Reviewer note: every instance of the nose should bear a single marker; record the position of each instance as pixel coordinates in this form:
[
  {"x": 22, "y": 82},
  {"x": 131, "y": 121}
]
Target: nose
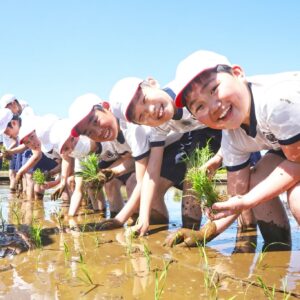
[
  {"x": 214, "y": 108},
  {"x": 151, "y": 109}
]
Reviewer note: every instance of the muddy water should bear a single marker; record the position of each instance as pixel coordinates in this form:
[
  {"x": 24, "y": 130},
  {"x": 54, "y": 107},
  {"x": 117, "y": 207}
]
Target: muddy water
[{"x": 78, "y": 262}]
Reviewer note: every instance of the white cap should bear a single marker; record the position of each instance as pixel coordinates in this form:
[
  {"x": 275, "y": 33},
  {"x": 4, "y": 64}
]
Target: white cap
[
  {"x": 60, "y": 132},
  {"x": 42, "y": 126},
  {"x": 82, "y": 106},
  {"x": 192, "y": 66},
  {"x": 28, "y": 126},
  {"x": 121, "y": 96},
  {"x": 6, "y": 99},
  {"x": 5, "y": 117}
]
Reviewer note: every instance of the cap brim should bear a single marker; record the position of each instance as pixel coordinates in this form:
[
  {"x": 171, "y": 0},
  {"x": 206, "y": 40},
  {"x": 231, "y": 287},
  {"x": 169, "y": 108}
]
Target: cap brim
[{"x": 130, "y": 102}]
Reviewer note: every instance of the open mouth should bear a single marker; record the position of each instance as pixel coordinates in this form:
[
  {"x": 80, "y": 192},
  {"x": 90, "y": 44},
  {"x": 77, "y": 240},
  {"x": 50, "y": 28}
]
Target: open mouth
[
  {"x": 105, "y": 134},
  {"x": 225, "y": 113},
  {"x": 160, "y": 112}
]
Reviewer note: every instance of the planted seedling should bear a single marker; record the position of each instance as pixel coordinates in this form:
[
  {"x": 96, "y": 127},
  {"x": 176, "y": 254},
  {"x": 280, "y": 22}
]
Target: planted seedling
[
  {"x": 160, "y": 281},
  {"x": 202, "y": 186},
  {"x": 35, "y": 233},
  {"x": 38, "y": 176}
]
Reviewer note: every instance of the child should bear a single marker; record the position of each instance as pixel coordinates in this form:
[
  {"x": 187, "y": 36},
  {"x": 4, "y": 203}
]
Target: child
[
  {"x": 144, "y": 103},
  {"x": 138, "y": 140},
  {"x": 34, "y": 134},
  {"x": 78, "y": 148},
  {"x": 257, "y": 114},
  {"x": 91, "y": 116},
  {"x": 21, "y": 109}
]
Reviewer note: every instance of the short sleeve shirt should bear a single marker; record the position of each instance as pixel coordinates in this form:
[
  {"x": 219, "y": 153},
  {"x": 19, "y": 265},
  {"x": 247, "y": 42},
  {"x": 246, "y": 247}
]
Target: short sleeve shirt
[{"x": 274, "y": 119}]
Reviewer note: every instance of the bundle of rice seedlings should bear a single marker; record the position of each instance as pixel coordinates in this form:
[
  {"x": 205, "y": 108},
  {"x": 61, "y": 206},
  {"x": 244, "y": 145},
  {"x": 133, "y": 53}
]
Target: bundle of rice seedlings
[
  {"x": 38, "y": 176},
  {"x": 202, "y": 187},
  {"x": 90, "y": 170}
]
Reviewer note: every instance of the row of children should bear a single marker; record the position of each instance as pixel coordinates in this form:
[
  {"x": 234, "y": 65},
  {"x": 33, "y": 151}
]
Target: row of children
[{"x": 144, "y": 133}]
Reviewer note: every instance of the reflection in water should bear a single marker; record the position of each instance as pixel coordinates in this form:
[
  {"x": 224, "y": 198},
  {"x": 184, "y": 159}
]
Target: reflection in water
[{"x": 79, "y": 261}]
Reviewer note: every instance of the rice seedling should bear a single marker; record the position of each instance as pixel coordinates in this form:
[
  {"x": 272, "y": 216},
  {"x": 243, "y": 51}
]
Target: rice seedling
[
  {"x": 86, "y": 278},
  {"x": 147, "y": 253},
  {"x": 59, "y": 218},
  {"x": 38, "y": 176},
  {"x": 17, "y": 214},
  {"x": 130, "y": 235},
  {"x": 265, "y": 251},
  {"x": 202, "y": 185},
  {"x": 97, "y": 241},
  {"x": 66, "y": 251},
  {"x": 160, "y": 281},
  {"x": 211, "y": 279},
  {"x": 90, "y": 170},
  {"x": 269, "y": 292},
  {"x": 1, "y": 218},
  {"x": 35, "y": 233},
  {"x": 286, "y": 295}
]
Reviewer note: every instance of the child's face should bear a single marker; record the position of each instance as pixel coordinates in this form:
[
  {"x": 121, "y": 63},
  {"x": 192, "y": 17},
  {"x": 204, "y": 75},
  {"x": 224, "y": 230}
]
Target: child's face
[
  {"x": 99, "y": 126},
  {"x": 152, "y": 107},
  {"x": 13, "y": 131},
  {"x": 14, "y": 107},
  {"x": 69, "y": 145},
  {"x": 32, "y": 142},
  {"x": 220, "y": 100}
]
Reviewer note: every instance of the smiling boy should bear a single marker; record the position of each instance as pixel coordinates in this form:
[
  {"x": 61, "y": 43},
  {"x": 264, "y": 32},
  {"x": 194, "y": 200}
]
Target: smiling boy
[
  {"x": 143, "y": 102},
  {"x": 258, "y": 113}
]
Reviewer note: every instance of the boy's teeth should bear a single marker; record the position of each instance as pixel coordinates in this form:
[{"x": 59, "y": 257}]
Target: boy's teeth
[{"x": 224, "y": 113}]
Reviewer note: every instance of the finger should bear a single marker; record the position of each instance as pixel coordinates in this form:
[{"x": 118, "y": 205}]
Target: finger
[
  {"x": 61, "y": 190},
  {"x": 221, "y": 205},
  {"x": 173, "y": 239},
  {"x": 188, "y": 242},
  {"x": 221, "y": 215}
]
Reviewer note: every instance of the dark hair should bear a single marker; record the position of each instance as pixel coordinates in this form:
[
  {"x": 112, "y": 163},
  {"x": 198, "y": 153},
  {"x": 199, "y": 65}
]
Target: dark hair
[
  {"x": 17, "y": 118},
  {"x": 98, "y": 107},
  {"x": 199, "y": 78}
]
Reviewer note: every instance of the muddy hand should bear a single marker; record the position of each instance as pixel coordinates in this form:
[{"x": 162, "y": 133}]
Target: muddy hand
[
  {"x": 104, "y": 176},
  {"x": 57, "y": 193},
  {"x": 140, "y": 229},
  {"x": 109, "y": 224},
  {"x": 190, "y": 238},
  {"x": 230, "y": 207}
]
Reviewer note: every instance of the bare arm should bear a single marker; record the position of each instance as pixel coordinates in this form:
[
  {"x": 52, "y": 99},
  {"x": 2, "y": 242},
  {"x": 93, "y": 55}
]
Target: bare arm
[
  {"x": 149, "y": 188},
  {"x": 133, "y": 202},
  {"x": 283, "y": 177},
  {"x": 32, "y": 161},
  {"x": 292, "y": 152},
  {"x": 125, "y": 164}
]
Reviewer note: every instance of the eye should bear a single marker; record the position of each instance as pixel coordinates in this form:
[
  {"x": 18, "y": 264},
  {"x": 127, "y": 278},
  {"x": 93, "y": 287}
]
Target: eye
[
  {"x": 214, "y": 89},
  {"x": 199, "y": 107}
]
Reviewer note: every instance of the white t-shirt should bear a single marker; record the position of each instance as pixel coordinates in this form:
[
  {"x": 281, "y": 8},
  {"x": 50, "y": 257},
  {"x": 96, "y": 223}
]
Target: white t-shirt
[{"x": 274, "y": 119}]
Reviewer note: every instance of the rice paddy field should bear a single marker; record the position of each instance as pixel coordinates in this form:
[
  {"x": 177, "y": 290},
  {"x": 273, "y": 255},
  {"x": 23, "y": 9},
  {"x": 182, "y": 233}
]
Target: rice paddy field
[{"x": 74, "y": 260}]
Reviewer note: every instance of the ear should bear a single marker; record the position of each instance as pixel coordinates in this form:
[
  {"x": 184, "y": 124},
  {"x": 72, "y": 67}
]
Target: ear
[
  {"x": 238, "y": 71},
  {"x": 153, "y": 82}
]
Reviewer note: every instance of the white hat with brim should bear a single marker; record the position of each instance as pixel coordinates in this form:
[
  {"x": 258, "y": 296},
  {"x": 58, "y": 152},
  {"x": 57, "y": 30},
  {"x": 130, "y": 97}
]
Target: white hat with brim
[
  {"x": 60, "y": 132},
  {"x": 28, "y": 126},
  {"x": 81, "y": 107},
  {"x": 5, "y": 117},
  {"x": 122, "y": 95},
  {"x": 192, "y": 66},
  {"x": 7, "y": 99}
]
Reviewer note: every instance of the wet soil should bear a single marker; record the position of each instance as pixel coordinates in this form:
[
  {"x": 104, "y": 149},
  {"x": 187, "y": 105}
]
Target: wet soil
[{"x": 77, "y": 261}]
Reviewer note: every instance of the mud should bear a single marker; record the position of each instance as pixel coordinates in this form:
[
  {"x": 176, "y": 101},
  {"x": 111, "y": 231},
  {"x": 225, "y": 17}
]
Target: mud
[{"x": 77, "y": 261}]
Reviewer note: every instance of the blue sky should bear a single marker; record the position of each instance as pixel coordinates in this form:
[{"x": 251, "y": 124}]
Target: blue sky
[{"x": 53, "y": 51}]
